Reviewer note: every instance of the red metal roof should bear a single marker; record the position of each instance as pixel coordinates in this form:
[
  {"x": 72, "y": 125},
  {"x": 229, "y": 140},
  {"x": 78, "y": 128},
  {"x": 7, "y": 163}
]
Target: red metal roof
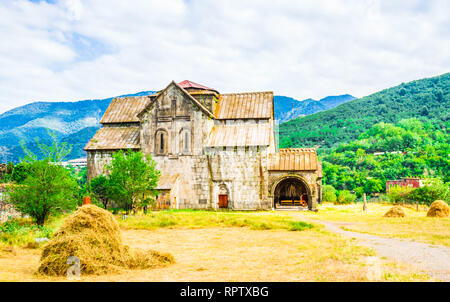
[{"x": 188, "y": 84}]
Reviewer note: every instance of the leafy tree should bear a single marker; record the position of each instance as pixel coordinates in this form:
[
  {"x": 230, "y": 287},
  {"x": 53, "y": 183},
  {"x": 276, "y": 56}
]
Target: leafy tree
[
  {"x": 373, "y": 186},
  {"x": 20, "y": 172},
  {"x": 10, "y": 168},
  {"x": 329, "y": 193},
  {"x": 132, "y": 179},
  {"x": 100, "y": 189},
  {"x": 47, "y": 187}
]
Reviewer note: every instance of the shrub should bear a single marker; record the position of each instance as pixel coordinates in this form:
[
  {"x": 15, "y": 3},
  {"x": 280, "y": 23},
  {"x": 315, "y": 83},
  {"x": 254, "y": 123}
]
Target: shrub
[
  {"x": 329, "y": 193},
  {"x": 398, "y": 194},
  {"x": 434, "y": 189},
  {"x": 346, "y": 197}
]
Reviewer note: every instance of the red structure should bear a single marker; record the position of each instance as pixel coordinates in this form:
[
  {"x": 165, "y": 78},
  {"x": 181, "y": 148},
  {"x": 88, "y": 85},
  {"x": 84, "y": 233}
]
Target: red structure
[
  {"x": 404, "y": 182},
  {"x": 86, "y": 200}
]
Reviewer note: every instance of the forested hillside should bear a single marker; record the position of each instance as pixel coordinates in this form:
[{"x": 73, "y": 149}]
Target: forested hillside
[
  {"x": 387, "y": 151},
  {"x": 426, "y": 99}
]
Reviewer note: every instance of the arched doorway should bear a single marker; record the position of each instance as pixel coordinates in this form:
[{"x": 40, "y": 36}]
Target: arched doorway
[
  {"x": 223, "y": 196},
  {"x": 291, "y": 191}
]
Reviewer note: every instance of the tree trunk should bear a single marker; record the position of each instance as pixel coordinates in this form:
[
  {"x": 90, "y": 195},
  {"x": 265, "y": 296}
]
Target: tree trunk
[{"x": 364, "y": 202}]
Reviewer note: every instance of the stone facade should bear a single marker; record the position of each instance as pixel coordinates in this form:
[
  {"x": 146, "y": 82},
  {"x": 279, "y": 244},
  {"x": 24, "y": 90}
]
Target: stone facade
[{"x": 209, "y": 147}]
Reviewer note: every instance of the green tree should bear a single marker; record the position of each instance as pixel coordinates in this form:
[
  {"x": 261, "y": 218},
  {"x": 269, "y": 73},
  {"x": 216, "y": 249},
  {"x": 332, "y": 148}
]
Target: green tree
[
  {"x": 47, "y": 187},
  {"x": 132, "y": 179},
  {"x": 10, "y": 168},
  {"x": 329, "y": 193},
  {"x": 20, "y": 172},
  {"x": 99, "y": 186},
  {"x": 373, "y": 186}
]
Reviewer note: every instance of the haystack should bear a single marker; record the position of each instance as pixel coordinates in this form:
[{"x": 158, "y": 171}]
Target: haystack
[
  {"x": 439, "y": 208},
  {"x": 93, "y": 235},
  {"x": 395, "y": 211}
]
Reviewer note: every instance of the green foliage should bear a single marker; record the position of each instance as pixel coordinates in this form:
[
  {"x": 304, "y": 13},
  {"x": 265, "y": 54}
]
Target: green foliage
[
  {"x": 433, "y": 189},
  {"x": 329, "y": 193},
  {"x": 345, "y": 197},
  {"x": 99, "y": 187},
  {"x": 300, "y": 226},
  {"x": 399, "y": 194},
  {"x": 20, "y": 172},
  {"x": 386, "y": 151},
  {"x": 81, "y": 178},
  {"x": 10, "y": 168},
  {"x": 132, "y": 179},
  {"x": 46, "y": 187},
  {"x": 428, "y": 100},
  {"x": 20, "y": 232}
]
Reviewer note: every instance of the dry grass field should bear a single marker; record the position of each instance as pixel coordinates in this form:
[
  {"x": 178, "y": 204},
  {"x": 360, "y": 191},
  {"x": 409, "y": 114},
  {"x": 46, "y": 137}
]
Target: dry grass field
[
  {"x": 415, "y": 226},
  {"x": 232, "y": 246}
]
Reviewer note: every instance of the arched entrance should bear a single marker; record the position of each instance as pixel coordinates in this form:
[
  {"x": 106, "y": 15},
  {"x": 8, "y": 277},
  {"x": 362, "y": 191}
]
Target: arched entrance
[
  {"x": 223, "y": 196},
  {"x": 291, "y": 191}
]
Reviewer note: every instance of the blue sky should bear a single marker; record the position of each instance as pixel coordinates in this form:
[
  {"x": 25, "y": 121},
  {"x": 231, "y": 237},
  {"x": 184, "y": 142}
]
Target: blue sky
[{"x": 83, "y": 49}]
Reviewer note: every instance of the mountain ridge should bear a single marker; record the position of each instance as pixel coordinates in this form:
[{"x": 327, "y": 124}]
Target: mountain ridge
[{"x": 75, "y": 122}]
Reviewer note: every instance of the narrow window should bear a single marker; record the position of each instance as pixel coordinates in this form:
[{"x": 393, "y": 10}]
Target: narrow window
[
  {"x": 162, "y": 144},
  {"x": 186, "y": 142}
]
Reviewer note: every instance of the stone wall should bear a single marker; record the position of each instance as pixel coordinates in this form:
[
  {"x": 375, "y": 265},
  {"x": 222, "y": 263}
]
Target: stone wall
[{"x": 96, "y": 161}]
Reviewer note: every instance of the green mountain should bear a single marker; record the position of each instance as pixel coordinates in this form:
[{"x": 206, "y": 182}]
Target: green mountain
[
  {"x": 426, "y": 99},
  {"x": 72, "y": 122}
]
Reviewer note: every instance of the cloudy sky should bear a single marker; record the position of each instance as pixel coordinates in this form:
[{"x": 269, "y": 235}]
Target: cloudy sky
[{"x": 67, "y": 50}]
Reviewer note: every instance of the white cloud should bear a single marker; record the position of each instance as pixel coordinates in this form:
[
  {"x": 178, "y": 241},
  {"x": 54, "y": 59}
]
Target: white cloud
[{"x": 83, "y": 49}]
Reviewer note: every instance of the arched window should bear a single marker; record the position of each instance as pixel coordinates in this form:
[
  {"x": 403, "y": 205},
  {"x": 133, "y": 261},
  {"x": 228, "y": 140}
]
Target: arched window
[
  {"x": 161, "y": 142},
  {"x": 185, "y": 141}
]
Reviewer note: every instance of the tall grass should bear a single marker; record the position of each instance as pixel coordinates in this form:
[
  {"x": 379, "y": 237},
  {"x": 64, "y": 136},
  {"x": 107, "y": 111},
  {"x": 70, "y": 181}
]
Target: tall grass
[{"x": 23, "y": 231}]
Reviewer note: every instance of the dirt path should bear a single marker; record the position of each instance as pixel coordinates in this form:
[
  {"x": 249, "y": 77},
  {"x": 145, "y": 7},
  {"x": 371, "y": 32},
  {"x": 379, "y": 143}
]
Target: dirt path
[{"x": 432, "y": 259}]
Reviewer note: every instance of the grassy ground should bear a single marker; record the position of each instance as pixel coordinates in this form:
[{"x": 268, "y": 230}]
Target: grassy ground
[
  {"x": 236, "y": 254},
  {"x": 227, "y": 246},
  {"x": 202, "y": 219},
  {"x": 415, "y": 226}
]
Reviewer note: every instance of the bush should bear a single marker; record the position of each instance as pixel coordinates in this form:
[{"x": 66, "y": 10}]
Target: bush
[
  {"x": 434, "y": 189},
  {"x": 398, "y": 194},
  {"x": 346, "y": 197},
  {"x": 329, "y": 193}
]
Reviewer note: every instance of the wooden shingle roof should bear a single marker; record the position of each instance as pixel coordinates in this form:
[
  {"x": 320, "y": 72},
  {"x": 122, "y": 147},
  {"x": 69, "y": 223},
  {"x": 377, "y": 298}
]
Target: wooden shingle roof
[
  {"x": 125, "y": 109},
  {"x": 294, "y": 159},
  {"x": 240, "y": 135},
  {"x": 249, "y": 105},
  {"x": 114, "y": 138}
]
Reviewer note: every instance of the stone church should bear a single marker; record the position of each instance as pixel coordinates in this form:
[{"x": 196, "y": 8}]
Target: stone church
[{"x": 213, "y": 150}]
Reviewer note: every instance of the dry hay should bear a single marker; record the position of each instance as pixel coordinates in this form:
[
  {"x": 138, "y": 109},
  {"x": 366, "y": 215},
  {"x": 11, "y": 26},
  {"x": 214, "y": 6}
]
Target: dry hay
[
  {"x": 395, "y": 211},
  {"x": 439, "y": 208},
  {"x": 93, "y": 235}
]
